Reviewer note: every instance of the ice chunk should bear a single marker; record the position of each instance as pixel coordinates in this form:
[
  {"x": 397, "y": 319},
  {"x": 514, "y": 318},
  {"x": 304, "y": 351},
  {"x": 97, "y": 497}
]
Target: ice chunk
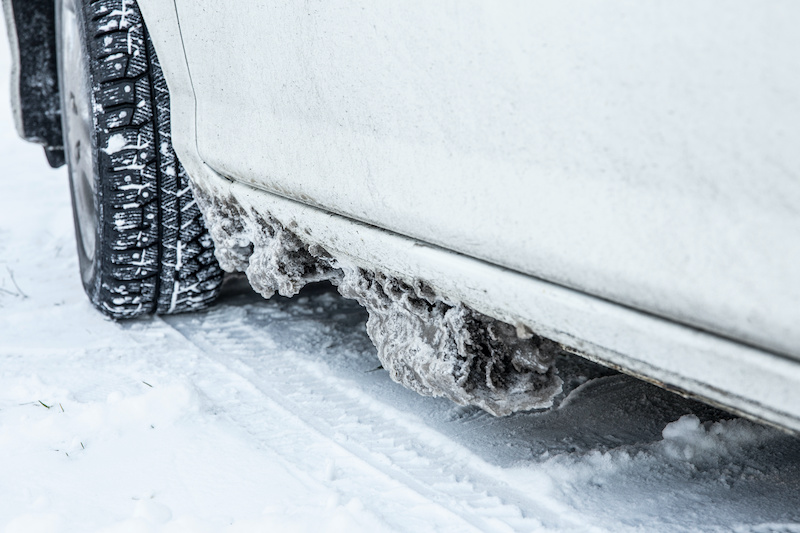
[{"x": 443, "y": 349}]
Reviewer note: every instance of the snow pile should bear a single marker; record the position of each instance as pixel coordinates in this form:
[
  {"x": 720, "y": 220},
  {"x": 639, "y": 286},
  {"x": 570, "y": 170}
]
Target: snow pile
[
  {"x": 427, "y": 343},
  {"x": 710, "y": 443},
  {"x": 718, "y": 450}
]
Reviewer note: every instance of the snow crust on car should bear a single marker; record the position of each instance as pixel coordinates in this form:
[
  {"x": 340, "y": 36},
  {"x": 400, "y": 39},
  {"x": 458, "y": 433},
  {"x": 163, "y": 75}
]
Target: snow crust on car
[{"x": 427, "y": 342}]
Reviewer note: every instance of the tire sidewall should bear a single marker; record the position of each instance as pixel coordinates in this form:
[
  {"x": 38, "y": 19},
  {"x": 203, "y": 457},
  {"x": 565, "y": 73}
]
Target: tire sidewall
[{"x": 90, "y": 267}]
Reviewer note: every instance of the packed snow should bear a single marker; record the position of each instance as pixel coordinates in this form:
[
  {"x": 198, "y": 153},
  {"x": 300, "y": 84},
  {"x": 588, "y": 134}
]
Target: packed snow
[{"x": 276, "y": 415}]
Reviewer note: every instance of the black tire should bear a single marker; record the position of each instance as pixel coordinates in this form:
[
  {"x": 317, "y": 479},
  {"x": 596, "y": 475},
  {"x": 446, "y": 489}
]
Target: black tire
[{"x": 151, "y": 251}]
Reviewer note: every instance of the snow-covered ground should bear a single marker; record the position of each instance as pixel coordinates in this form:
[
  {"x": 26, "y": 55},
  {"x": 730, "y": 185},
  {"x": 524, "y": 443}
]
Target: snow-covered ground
[{"x": 275, "y": 416}]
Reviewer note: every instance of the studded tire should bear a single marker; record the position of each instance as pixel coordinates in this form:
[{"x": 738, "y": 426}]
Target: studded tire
[{"x": 142, "y": 245}]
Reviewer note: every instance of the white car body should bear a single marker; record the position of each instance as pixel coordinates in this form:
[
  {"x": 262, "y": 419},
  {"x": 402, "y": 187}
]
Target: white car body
[{"x": 621, "y": 178}]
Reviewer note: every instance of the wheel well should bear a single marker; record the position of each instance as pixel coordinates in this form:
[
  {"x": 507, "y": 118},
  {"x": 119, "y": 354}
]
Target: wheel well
[{"x": 35, "y": 96}]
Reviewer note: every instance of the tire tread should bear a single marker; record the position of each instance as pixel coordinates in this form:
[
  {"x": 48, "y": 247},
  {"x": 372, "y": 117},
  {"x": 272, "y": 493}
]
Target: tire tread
[{"x": 156, "y": 255}]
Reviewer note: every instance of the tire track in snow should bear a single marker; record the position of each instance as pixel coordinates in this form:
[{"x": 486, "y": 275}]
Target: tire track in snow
[
  {"x": 235, "y": 397},
  {"x": 386, "y": 439}
]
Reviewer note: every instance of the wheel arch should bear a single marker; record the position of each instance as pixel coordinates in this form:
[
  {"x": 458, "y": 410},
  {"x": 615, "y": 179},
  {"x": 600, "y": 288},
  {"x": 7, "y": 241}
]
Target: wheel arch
[{"x": 34, "y": 74}]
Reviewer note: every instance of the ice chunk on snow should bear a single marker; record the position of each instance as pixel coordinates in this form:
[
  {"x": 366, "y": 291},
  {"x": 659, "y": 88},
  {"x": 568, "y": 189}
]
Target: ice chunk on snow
[{"x": 690, "y": 440}]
